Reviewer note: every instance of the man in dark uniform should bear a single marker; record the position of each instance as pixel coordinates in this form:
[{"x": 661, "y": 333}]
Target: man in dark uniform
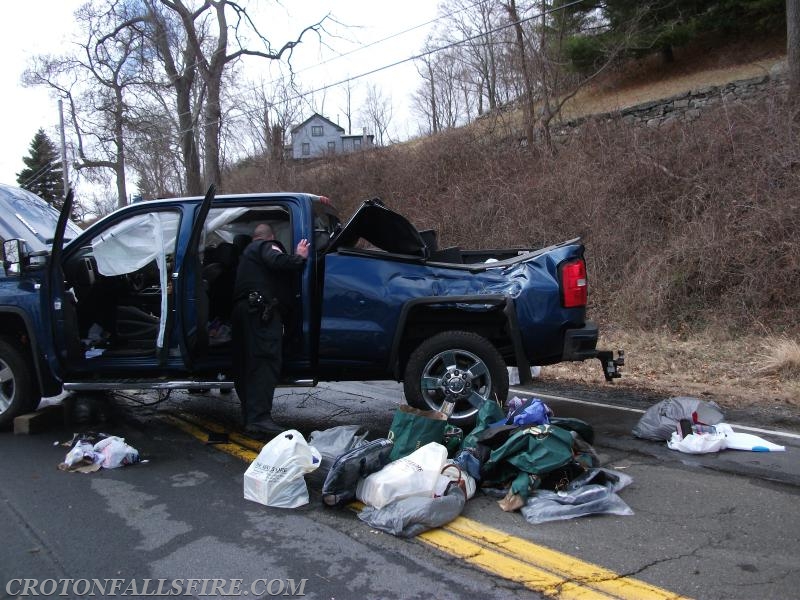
[{"x": 264, "y": 286}]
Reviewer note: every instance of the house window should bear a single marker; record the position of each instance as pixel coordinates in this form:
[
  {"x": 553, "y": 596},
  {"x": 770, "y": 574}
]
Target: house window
[
  {"x": 356, "y": 143},
  {"x": 306, "y": 149},
  {"x": 331, "y": 146},
  {"x": 316, "y": 130}
]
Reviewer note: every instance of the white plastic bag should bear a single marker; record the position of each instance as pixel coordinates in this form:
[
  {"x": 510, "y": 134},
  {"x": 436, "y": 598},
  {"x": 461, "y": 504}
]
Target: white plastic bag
[
  {"x": 116, "y": 452},
  {"x": 694, "y": 443},
  {"x": 735, "y": 440},
  {"x": 79, "y": 452},
  {"x": 412, "y": 475},
  {"x": 275, "y": 477}
]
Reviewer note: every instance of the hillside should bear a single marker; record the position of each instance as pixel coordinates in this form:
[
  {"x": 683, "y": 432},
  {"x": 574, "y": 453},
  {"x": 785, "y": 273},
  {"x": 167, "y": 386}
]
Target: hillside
[
  {"x": 690, "y": 230},
  {"x": 755, "y": 370}
]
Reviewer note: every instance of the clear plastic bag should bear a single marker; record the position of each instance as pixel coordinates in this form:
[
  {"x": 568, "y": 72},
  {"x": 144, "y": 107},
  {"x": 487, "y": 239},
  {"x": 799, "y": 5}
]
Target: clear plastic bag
[
  {"x": 593, "y": 493},
  {"x": 331, "y": 444}
]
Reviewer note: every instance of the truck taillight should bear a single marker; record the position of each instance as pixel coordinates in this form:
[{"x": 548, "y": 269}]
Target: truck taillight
[{"x": 573, "y": 284}]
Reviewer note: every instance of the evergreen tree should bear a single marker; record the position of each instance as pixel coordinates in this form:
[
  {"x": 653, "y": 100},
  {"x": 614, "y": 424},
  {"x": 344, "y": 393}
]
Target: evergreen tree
[
  {"x": 642, "y": 28},
  {"x": 43, "y": 175}
]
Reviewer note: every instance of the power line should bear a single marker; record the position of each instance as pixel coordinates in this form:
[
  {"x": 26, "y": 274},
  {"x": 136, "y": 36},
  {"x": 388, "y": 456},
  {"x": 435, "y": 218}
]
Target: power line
[
  {"x": 430, "y": 52},
  {"x": 390, "y": 37},
  {"x": 34, "y": 175},
  {"x": 39, "y": 174},
  {"x": 351, "y": 52},
  {"x": 422, "y": 54},
  {"x": 303, "y": 95}
]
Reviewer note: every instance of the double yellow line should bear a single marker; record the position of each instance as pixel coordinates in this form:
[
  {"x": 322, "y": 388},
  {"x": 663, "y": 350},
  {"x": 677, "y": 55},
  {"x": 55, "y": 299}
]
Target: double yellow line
[{"x": 550, "y": 573}]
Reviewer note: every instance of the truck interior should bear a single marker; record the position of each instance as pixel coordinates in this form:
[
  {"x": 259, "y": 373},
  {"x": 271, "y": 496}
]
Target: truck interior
[{"x": 121, "y": 283}]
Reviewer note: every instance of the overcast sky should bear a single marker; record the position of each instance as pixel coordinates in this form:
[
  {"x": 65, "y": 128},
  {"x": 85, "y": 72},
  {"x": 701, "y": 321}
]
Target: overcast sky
[{"x": 47, "y": 26}]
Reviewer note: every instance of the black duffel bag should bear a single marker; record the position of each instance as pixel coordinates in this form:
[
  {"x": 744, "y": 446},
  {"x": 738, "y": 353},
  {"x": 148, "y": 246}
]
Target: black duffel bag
[{"x": 340, "y": 484}]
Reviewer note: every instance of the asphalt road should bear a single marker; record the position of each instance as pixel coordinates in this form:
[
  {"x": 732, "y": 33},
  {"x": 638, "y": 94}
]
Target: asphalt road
[{"x": 716, "y": 526}]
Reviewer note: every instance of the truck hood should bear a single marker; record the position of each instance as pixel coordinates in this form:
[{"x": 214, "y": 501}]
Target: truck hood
[
  {"x": 383, "y": 228},
  {"x": 26, "y": 216}
]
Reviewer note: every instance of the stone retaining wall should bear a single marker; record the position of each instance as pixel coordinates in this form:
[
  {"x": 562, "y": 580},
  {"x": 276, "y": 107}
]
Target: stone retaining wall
[{"x": 689, "y": 105}]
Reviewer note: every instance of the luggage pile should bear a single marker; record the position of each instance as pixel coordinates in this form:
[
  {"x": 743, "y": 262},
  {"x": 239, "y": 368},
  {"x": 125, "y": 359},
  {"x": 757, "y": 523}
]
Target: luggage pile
[{"x": 422, "y": 474}]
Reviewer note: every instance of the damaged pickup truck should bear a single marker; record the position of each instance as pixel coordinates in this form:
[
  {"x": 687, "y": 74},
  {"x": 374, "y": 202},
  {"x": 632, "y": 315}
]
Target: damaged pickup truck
[{"x": 142, "y": 300}]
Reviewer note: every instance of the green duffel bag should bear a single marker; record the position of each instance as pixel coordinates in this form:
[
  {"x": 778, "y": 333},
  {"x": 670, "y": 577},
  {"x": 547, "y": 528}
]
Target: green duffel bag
[
  {"x": 533, "y": 452},
  {"x": 412, "y": 428}
]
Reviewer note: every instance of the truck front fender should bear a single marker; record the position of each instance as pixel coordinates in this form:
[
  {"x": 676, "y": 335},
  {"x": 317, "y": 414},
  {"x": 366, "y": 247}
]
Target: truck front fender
[{"x": 16, "y": 322}]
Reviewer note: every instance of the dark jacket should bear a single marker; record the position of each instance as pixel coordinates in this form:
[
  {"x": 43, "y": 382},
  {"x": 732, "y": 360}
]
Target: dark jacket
[{"x": 272, "y": 272}]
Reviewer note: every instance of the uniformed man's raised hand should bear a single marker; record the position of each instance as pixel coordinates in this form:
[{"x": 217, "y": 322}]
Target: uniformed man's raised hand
[{"x": 302, "y": 248}]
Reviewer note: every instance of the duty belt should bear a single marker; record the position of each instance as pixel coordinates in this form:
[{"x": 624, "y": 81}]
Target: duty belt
[{"x": 257, "y": 304}]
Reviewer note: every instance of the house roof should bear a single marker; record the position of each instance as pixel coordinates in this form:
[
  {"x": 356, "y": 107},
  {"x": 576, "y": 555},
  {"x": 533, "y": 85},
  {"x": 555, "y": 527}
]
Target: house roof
[{"x": 313, "y": 117}]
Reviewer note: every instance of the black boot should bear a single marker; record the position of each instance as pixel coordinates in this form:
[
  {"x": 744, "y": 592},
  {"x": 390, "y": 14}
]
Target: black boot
[{"x": 265, "y": 428}]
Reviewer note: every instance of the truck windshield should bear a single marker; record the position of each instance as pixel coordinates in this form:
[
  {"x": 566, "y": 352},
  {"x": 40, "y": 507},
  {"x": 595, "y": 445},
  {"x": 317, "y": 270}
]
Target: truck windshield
[{"x": 26, "y": 216}]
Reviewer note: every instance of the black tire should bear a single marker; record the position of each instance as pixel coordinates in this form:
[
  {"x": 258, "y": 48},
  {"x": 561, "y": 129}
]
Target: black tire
[
  {"x": 455, "y": 365},
  {"x": 16, "y": 382}
]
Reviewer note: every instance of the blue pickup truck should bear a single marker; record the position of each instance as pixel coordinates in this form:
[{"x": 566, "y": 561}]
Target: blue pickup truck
[{"x": 142, "y": 300}]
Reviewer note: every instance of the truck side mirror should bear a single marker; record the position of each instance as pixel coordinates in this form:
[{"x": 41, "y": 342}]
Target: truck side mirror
[{"x": 12, "y": 251}]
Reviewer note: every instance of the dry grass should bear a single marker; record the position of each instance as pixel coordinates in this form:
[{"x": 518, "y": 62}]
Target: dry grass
[
  {"x": 695, "y": 66},
  {"x": 732, "y": 372},
  {"x": 781, "y": 358},
  {"x": 602, "y": 99}
]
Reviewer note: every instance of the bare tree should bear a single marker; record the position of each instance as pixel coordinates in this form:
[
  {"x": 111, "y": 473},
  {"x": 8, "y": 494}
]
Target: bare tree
[
  {"x": 212, "y": 62},
  {"x": 476, "y": 24},
  {"x": 377, "y": 113},
  {"x": 467, "y": 66},
  {"x": 425, "y": 97},
  {"x": 348, "y": 105},
  {"x": 524, "y": 69},
  {"x": 171, "y": 50},
  {"x": 179, "y": 58},
  {"x": 155, "y": 153},
  {"x": 95, "y": 82},
  {"x": 267, "y": 114},
  {"x": 444, "y": 96},
  {"x": 540, "y": 51}
]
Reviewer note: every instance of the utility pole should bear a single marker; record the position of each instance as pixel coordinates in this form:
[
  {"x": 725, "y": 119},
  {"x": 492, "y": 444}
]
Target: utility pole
[
  {"x": 793, "y": 47},
  {"x": 64, "y": 168}
]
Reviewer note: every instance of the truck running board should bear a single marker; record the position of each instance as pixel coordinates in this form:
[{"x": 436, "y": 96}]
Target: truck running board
[
  {"x": 138, "y": 384},
  {"x": 160, "y": 384}
]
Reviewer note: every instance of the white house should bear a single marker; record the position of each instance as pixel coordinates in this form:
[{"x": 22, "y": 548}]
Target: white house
[{"x": 318, "y": 136}]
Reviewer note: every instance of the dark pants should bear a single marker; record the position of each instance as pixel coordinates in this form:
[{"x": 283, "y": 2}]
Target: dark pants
[{"x": 257, "y": 356}]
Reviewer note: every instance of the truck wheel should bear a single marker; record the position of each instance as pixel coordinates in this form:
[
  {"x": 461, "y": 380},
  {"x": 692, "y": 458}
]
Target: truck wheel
[
  {"x": 16, "y": 383},
  {"x": 458, "y": 367}
]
